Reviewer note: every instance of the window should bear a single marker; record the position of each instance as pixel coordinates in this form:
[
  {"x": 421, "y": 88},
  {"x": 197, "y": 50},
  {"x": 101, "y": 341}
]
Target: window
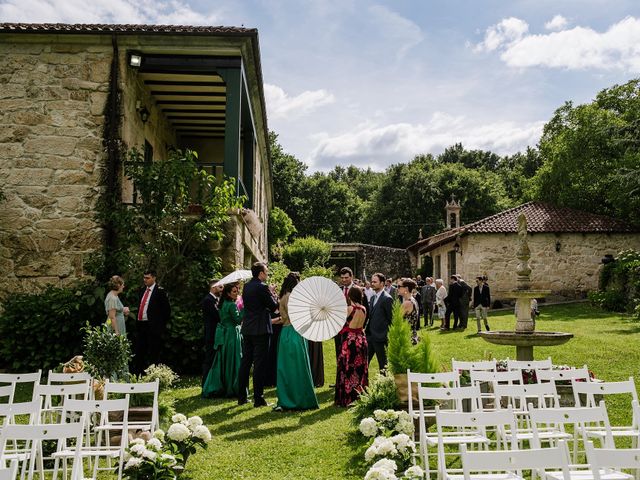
[{"x": 451, "y": 257}]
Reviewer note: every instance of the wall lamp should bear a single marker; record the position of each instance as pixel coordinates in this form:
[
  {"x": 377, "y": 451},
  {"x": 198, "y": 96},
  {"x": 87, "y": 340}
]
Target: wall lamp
[
  {"x": 457, "y": 247},
  {"x": 558, "y": 245},
  {"x": 142, "y": 111},
  {"x": 135, "y": 60}
]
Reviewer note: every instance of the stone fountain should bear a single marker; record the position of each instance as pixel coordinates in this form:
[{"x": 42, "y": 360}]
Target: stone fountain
[{"x": 525, "y": 337}]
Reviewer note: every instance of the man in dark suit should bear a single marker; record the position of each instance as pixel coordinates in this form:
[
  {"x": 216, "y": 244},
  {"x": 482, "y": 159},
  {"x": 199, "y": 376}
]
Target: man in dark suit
[
  {"x": 210, "y": 318},
  {"x": 428, "y": 293},
  {"x": 453, "y": 302},
  {"x": 377, "y": 328},
  {"x": 256, "y": 332},
  {"x": 465, "y": 299},
  {"x": 153, "y": 315},
  {"x": 481, "y": 302}
]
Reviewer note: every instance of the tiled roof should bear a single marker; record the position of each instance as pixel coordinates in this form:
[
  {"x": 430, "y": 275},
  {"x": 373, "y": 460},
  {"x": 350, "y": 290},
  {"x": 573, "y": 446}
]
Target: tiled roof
[
  {"x": 115, "y": 28},
  {"x": 541, "y": 218}
]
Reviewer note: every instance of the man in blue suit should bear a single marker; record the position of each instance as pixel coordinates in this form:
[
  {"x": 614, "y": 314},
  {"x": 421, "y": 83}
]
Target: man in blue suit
[
  {"x": 379, "y": 320},
  {"x": 256, "y": 333}
]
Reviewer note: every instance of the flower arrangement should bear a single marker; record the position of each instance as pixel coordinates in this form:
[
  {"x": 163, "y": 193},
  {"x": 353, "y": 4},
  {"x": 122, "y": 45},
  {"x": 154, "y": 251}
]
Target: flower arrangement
[
  {"x": 385, "y": 469},
  {"x": 387, "y": 423},
  {"x": 146, "y": 460},
  {"x": 382, "y": 393},
  {"x": 399, "y": 448},
  {"x": 185, "y": 435}
]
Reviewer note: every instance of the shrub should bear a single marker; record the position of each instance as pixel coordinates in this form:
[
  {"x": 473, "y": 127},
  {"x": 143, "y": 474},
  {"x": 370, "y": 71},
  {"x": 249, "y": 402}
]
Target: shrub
[
  {"x": 183, "y": 342},
  {"x": 164, "y": 374},
  {"x": 401, "y": 354},
  {"x": 306, "y": 252},
  {"x": 277, "y": 273},
  {"x": 381, "y": 394},
  {"x": 40, "y": 330},
  {"x": 106, "y": 355},
  {"x": 318, "y": 271},
  {"x": 612, "y": 300}
]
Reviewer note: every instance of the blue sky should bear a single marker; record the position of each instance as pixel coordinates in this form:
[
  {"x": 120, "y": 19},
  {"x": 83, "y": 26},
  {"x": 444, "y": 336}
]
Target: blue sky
[{"x": 375, "y": 83}]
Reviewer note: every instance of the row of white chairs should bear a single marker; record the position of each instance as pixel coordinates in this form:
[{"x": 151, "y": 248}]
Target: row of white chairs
[{"x": 61, "y": 407}]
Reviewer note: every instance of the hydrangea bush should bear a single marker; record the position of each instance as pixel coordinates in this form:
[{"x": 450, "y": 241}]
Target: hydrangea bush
[
  {"x": 399, "y": 448},
  {"x": 385, "y": 469},
  {"x": 185, "y": 435},
  {"x": 387, "y": 423}
]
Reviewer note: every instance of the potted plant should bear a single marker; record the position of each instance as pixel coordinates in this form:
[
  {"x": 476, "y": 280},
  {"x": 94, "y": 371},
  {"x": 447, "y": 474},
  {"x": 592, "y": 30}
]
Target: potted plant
[
  {"x": 106, "y": 355},
  {"x": 402, "y": 355}
]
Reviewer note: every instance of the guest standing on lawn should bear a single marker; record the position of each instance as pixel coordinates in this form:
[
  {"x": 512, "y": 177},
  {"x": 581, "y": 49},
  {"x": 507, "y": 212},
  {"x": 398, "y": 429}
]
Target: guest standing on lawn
[
  {"x": 406, "y": 286},
  {"x": 222, "y": 380},
  {"x": 353, "y": 363},
  {"x": 256, "y": 332},
  {"x": 210, "y": 318},
  {"x": 114, "y": 308},
  {"x": 294, "y": 383},
  {"x": 153, "y": 315}
]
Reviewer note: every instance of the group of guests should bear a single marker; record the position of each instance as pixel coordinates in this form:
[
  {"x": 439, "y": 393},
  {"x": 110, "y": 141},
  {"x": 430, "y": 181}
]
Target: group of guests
[
  {"x": 238, "y": 336},
  {"x": 154, "y": 311},
  {"x": 458, "y": 299}
]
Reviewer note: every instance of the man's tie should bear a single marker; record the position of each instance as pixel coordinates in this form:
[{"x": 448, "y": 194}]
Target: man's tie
[
  {"x": 143, "y": 302},
  {"x": 346, "y": 292},
  {"x": 374, "y": 299}
]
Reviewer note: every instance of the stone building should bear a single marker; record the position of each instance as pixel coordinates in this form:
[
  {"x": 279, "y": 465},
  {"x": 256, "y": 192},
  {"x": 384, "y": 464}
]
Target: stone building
[
  {"x": 164, "y": 87},
  {"x": 366, "y": 260},
  {"x": 566, "y": 248}
]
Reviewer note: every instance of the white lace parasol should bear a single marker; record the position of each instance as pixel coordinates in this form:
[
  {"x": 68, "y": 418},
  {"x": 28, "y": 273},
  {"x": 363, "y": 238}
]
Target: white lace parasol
[
  {"x": 233, "y": 277},
  {"x": 317, "y": 308}
]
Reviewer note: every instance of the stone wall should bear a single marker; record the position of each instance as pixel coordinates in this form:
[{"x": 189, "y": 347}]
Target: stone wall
[
  {"x": 369, "y": 259},
  {"x": 568, "y": 273},
  {"x": 52, "y": 98}
]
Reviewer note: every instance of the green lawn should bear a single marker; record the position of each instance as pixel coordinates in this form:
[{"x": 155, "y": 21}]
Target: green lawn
[{"x": 261, "y": 444}]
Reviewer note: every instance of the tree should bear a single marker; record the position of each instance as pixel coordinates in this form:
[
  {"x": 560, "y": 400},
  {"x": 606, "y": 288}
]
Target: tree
[
  {"x": 306, "y": 252},
  {"x": 469, "y": 158},
  {"x": 280, "y": 230},
  {"x": 591, "y": 154}
]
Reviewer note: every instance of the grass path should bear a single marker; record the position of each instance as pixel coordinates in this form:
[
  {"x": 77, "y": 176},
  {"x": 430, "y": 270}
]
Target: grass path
[{"x": 251, "y": 443}]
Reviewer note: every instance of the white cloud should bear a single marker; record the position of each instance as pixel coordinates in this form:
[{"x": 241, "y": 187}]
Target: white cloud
[
  {"x": 506, "y": 32},
  {"x": 379, "y": 146},
  {"x": 280, "y": 105},
  {"x": 575, "y": 49},
  {"x": 396, "y": 28},
  {"x": 556, "y": 23},
  {"x": 104, "y": 11}
]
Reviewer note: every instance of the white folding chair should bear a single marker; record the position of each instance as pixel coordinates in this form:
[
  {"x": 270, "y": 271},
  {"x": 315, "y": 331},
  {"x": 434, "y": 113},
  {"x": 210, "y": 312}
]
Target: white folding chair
[
  {"x": 471, "y": 428},
  {"x": 13, "y": 379},
  {"x": 519, "y": 397},
  {"x": 34, "y": 435},
  {"x": 452, "y": 398},
  {"x": 589, "y": 391},
  {"x": 96, "y": 413},
  {"x": 461, "y": 365},
  {"x": 578, "y": 418},
  {"x": 52, "y": 398},
  {"x": 529, "y": 364},
  {"x": 150, "y": 388},
  {"x": 447, "y": 379},
  {"x": 487, "y": 382},
  {"x": 556, "y": 376},
  {"x": 6, "y": 391},
  {"x": 606, "y": 462},
  {"x": 56, "y": 378},
  {"x": 508, "y": 464},
  {"x": 9, "y": 473}
]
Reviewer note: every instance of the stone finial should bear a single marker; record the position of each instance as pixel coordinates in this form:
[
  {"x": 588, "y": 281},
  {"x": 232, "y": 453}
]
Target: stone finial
[
  {"x": 420, "y": 234},
  {"x": 523, "y": 254}
]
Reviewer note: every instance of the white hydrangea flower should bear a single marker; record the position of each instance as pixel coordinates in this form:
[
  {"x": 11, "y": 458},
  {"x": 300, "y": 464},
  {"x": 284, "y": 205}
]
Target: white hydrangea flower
[
  {"x": 386, "y": 464},
  {"x": 133, "y": 463},
  {"x": 404, "y": 416},
  {"x": 371, "y": 453},
  {"x": 387, "y": 448},
  {"x": 194, "y": 422},
  {"x": 159, "y": 434},
  {"x": 170, "y": 458},
  {"x": 380, "y": 474},
  {"x": 368, "y": 427},
  {"x": 154, "y": 443},
  {"x": 414, "y": 473},
  {"x": 403, "y": 442},
  {"x": 137, "y": 441},
  {"x": 137, "y": 449},
  {"x": 178, "y": 432},
  {"x": 406, "y": 427},
  {"x": 392, "y": 414},
  {"x": 150, "y": 454},
  {"x": 379, "y": 415},
  {"x": 126, "y": 456},
  {"x": 179, "y": 418},
  {"x": 202, "y": 433}
]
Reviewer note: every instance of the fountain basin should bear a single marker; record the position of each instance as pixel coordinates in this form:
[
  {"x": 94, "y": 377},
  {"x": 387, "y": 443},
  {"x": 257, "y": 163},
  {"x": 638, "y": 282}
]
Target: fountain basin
[{"x": 524, "y": 342}]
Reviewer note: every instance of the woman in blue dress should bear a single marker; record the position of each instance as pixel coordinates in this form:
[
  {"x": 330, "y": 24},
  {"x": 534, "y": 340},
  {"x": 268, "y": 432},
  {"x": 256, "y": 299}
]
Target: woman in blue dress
[{"x": 116, "y": 312}]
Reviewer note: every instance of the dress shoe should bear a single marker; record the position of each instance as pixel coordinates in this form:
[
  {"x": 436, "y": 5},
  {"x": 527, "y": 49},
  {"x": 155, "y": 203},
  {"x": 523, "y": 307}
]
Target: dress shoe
[
  {"x": 260, "y": 402},
  {"x": 242, "y": 401}
]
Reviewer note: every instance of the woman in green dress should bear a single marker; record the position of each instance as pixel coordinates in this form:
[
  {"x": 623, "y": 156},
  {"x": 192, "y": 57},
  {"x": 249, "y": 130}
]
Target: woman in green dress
[
  {"x": 294, "y": 384},
  {"x": 114, "y": 308},
  {"x": 222, "y": 380}
]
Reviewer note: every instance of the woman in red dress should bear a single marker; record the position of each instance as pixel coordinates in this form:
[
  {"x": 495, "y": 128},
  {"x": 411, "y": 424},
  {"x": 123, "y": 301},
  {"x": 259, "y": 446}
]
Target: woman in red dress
[{"x": 353, "y": 365}]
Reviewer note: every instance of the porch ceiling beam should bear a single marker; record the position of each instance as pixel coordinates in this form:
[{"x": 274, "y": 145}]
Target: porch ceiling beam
[
  {"x": 185, "y": 83},
  {"x": 191, "y": 102},
  {"x": 187, "y": 63},
  {"x": 194, "y": 110},
  {"x": 188, "y": 94},
  {"x": 196, "y": 124}
]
